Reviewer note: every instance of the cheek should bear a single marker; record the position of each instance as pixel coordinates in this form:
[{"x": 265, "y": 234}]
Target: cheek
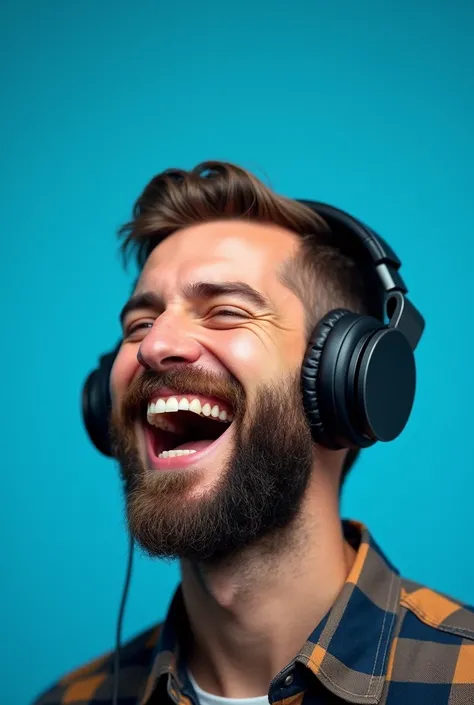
[
  {"x": 243, "y": 349},
  {"x": 249, "y": 356},
  {"x": 123, "y": 371}
]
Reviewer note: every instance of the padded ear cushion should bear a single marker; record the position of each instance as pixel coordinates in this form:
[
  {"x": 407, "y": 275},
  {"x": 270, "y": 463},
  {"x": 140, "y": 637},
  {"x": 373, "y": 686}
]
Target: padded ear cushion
[
  {"x": 310, "y": 374},
  {"x": 96, "y": 403}
]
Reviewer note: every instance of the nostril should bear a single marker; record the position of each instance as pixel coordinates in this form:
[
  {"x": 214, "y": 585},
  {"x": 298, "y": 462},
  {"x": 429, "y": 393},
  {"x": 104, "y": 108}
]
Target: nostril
[
  {"x": 141, "y": 360},
  {"x": 173, "y": 360}
]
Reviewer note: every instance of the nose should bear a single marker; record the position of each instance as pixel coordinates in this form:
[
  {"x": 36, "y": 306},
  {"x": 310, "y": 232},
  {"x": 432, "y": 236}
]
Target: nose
[{"x": 168, "y": 344}]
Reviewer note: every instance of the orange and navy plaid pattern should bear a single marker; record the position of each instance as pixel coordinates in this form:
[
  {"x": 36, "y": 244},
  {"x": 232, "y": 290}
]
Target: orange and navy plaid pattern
[{"x": 386, "y": 640}]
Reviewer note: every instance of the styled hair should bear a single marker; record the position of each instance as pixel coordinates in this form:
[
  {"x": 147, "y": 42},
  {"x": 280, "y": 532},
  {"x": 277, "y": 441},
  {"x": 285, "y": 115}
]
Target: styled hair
[{"x": 319, "y": 273}]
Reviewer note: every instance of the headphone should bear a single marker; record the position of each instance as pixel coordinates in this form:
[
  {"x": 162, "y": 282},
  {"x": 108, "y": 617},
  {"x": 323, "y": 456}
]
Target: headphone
[{"x": 358, "y": 376}]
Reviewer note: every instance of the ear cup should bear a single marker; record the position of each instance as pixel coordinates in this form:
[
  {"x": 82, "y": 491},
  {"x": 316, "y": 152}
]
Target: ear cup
[
  {"x": 310, "y": 377},
  {"x": 381, "y": 385},
  {"x": 96, "y": 403},
  {"x": 329, "y": 371},
  {"x": 358, "y": 381}
]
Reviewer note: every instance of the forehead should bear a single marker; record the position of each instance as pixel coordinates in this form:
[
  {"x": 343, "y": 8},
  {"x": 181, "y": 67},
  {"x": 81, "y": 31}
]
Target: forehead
[{"x": 220, "y": 251}]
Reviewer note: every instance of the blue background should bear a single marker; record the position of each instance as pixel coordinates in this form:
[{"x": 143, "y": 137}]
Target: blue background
[{"x": 367, "y": 105}]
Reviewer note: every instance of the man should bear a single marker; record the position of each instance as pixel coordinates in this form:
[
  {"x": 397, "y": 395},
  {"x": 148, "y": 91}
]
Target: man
[{"x": 280, "y": 600}]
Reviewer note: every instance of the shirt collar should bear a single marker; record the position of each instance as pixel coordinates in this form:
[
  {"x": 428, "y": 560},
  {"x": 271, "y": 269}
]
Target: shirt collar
[{"x": 347, "y": 651}]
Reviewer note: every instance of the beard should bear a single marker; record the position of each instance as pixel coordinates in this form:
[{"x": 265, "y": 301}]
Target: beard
[{"x": 261, "y": 484}]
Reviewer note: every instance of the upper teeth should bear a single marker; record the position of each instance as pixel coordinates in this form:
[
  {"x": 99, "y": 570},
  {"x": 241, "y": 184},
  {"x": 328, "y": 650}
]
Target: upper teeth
[{"x": 165, "y": 405}]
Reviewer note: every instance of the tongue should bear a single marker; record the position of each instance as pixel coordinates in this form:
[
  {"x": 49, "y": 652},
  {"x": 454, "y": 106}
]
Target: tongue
[{"x": 194, "y": 445}]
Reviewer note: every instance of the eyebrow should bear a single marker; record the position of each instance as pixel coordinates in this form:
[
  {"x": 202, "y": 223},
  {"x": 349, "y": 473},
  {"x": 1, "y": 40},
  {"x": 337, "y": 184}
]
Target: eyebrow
[{"x": 199, "y": 290}]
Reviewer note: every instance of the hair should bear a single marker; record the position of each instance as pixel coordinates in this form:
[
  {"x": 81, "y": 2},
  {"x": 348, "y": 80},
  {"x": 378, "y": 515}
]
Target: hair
[{"x": 319, "y": 273}]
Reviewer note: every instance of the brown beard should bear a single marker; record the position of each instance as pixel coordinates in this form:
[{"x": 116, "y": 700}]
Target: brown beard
[{"x": 261, "y": 485}]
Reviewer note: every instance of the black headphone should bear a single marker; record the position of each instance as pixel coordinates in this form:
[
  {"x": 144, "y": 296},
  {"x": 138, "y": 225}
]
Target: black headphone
[{"x": 358, "y": 376}]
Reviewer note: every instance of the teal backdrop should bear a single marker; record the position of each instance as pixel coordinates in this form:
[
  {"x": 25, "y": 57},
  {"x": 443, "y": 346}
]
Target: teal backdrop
[{"x": 368, "y": 105}]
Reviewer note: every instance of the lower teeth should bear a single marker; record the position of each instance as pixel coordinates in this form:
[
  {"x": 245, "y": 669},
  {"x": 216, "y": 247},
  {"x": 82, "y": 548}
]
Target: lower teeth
[{"x": 175, "y": 453}]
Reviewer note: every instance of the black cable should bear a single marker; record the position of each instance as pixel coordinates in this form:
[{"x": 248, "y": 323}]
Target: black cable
[{"x": 120, "y": 620}]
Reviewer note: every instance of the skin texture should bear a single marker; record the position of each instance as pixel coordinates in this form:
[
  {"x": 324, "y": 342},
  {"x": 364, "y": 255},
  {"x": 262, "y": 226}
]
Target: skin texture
[{"x": 245, "y": 626}]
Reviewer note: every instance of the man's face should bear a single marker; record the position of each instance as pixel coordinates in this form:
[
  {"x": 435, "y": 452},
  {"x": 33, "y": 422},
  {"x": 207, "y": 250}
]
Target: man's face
[{"x": 207, "y": 418}]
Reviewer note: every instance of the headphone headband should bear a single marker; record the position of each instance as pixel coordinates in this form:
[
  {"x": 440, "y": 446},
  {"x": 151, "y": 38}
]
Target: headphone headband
[
  {"x": 352, "y": 231},
  {"x": 362, "y": 242}
]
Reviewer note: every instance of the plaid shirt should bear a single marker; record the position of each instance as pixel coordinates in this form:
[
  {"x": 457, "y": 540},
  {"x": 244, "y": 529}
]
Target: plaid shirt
[{"x": 385, "y": 640}]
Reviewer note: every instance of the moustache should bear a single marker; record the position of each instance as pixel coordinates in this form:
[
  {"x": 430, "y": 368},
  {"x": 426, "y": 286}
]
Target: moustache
[{"x": 182, "y": 380}]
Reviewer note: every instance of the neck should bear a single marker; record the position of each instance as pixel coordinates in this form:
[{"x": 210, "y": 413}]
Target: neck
[{"x": 250, "y": 617}]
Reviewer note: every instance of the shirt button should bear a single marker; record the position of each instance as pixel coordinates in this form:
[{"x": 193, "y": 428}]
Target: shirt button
[{"x": 289, "y": 679}]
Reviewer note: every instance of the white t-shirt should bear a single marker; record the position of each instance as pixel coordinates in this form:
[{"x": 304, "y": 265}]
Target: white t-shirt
[{"x": 210, "y": 699}]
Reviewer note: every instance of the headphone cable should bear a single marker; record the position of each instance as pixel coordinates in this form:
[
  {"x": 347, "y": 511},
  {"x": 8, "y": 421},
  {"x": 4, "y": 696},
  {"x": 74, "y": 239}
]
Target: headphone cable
[{"x": 120, "y": 621}]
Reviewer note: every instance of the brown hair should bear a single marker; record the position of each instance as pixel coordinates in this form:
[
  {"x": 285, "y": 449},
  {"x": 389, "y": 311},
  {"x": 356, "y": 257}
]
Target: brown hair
[{"x": 320, "y": 274}]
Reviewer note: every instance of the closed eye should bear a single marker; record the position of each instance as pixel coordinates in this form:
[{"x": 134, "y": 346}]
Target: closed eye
[
  {"x": 135, "y": 327},
  {"x": 228, "y": 312}
]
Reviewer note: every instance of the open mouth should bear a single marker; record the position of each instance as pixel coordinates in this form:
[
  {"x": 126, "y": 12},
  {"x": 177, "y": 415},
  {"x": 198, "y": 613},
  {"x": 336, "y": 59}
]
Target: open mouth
[{"x": 180, "y": 428}]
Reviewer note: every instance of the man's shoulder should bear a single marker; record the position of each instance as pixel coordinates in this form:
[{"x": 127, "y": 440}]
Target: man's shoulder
[
  {"x": 93, "y": 682},
  {"x": 434, "y": 641}
]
